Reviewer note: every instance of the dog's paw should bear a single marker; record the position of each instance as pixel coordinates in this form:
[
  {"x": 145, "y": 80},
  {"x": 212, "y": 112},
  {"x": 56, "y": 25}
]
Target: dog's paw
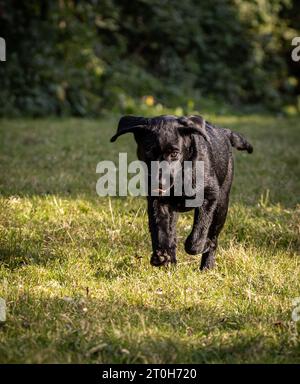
[
  {"x": 160, "y": 258},
  {"x": 208, "y": 261}
]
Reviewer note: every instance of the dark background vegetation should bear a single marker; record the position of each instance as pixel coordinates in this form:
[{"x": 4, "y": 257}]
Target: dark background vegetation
[{"x": 82, "y": 58}]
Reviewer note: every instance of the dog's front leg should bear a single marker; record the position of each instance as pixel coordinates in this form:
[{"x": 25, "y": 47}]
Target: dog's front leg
[
  {"x": 162, "y": 225},
  {"x": 197, "y": 242}
]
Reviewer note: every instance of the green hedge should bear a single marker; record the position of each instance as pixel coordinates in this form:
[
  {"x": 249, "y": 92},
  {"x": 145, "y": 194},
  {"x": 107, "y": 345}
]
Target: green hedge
[{"x": 86, "y": 57}]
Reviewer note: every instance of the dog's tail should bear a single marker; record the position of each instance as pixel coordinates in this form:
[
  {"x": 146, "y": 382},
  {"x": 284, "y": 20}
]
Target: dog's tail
[{"x": 238, "y": 141}]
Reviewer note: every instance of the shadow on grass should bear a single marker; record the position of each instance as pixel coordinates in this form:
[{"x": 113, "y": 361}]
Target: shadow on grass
[{"x": 114, "y": 332}]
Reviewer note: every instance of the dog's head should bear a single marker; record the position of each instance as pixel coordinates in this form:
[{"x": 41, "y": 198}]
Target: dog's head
[{"x": 163, "y": 138}]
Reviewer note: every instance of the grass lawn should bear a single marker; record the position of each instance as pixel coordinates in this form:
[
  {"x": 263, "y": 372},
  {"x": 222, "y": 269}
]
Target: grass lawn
[{"x": 75, "y": 272}]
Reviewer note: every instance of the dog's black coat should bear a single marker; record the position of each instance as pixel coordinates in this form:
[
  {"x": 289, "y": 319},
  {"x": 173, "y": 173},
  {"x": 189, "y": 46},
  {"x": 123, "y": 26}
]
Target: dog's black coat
[{"x": 186, "y": 138}]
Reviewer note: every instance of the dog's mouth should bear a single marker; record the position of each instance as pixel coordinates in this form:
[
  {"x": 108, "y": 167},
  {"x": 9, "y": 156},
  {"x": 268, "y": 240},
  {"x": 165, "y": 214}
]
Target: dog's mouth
[{"x": 162, "y": 191}]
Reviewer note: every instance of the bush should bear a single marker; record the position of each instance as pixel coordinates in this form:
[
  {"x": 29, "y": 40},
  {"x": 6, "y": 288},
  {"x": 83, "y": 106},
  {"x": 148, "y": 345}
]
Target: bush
[{"x": 74, "y": 57}]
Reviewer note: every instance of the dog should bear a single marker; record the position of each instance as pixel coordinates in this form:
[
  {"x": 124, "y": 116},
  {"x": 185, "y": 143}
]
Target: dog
[{"x": 179, "y": 139}]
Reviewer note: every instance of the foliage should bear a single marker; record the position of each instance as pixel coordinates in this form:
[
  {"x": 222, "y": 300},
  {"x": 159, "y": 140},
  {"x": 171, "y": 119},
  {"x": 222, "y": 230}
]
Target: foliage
[{"x": 84, "y": 57}]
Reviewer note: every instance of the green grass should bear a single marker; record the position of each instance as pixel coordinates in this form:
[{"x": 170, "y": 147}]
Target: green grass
[{"x": 74, "y": 268}]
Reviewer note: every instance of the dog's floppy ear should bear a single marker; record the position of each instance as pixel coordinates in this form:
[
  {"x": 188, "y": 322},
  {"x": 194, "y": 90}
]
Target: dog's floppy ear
[
  {"x": 130, "y": 124},
  {"x": 192, "y": 124}
]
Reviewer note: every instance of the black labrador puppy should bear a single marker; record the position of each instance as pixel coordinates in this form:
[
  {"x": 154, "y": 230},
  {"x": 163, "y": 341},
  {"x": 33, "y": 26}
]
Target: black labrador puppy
[{"x": 191, "y": 138}]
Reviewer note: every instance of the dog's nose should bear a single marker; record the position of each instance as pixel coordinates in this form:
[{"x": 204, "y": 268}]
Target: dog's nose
[{"x": 164, "y": 183}]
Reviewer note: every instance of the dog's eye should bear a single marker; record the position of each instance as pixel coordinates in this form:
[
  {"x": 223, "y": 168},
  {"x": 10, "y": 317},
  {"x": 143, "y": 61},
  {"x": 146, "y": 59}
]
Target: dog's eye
[{"x": 174, "y": 155}]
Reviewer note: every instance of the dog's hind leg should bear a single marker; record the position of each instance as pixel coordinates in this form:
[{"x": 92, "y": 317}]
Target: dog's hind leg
[{"x": 208, "y": 257}]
